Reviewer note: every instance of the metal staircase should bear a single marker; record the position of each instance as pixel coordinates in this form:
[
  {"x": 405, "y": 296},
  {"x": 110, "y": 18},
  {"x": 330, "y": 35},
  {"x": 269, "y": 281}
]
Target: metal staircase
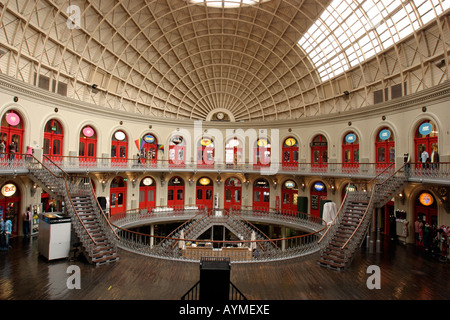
[
  {"x": 347, "y": 232},
  {"x": 92, "y": 229}
]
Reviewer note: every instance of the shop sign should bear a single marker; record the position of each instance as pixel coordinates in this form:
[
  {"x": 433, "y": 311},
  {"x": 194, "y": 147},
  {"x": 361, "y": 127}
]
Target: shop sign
[
  {"x": 319, "y": 186},
  {"x": 119, "y": 135},
  {"x": 205, "y": 142},
  {"x": 262, "y": 142},
  {"x": 289, "y": 184},
  {"x": 176, "y": 181},
  {"x": 350, "y": 138},
  {"x": 426, "y": 199},
  {"x": 13, "y": 119},
  {"x": 177, "y": 140},
  {"x": 88, "y": 132},
  {"x": 425, "y": 128},
  {"x": 233, "y": 142},
  {"x": 9, "y": 190},
  {"x": 204, "y": 181},
  {"x": 290, "y": 142},
  {"x": 149, "y": 138},
  {"x": 384, "y": 134},
  {"x": 147, "y": 181}
]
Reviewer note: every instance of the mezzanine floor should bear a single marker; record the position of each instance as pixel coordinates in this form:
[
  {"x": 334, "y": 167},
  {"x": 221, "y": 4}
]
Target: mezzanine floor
[{"x": 407, "y": 273}]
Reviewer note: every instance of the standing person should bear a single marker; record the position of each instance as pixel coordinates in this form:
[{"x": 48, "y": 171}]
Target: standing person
[
  {"x": 2, "y": 234},
  {"x": 434, "y": 158},
  {"x": 416, "y": 230},
  {"x": 27, "y": 223},
  {"x": 2, "y": 149},
  {"x": 8, "y": 231},
  {"x": 421, "y": 226},
  {"x": 424, "y": 158},
  {"x": 12, "y": 151}
]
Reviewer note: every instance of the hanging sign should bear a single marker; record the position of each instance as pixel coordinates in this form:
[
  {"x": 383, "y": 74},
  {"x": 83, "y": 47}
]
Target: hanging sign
[
  {"x": 147, "y": 181},
  {"x": 384, "y": 134},
  {"x": 204, "y": 181},
  {"x": 426, "y": 199},
  {"x": 119, "y": 135},
  {"x": 149, "y": 138},
  {"x": 425, "y": 128},
  {"x": 9, "y": 190},
  {"x": 13, "y": 119},
  {"x": 262, "y": 142},
  {"x": 205, "y": 142},
  {"x": 177, "y": 140},
  {"x": 289, "y": 184},
  {"x": 290, "y": 142},
  {"x": 350, "y": 138},
  {"x": 88, "y": 132},
  {"x": 319, "y": 186}
]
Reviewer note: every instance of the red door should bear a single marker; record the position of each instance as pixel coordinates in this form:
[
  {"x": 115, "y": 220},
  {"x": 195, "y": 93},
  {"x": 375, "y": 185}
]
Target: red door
[
  {"x": 147, "y": 194},
  {"x": 384, "y": 149},
  {"x": 350, "y": 151},
  {"x": 204, "y": 193},
  {"x": 261, "y": 195},
  {"x": 319, "y": 153},
  {"x": 289, "y": 195},
  {"x": 290, "y": 154},
  {"x": 233, "y": 193},
  {"x": 318, "y": 193},
  {"x": 118, "y": 196},
  {"x": 175, "y": 193},
  {"x": 53, "y": 140},
  {"x": 119, "y": 148},
  {"x": 10, "y": 205},
  {"x": 87, "y": 151},
  {"x": 12, "y": 136}
]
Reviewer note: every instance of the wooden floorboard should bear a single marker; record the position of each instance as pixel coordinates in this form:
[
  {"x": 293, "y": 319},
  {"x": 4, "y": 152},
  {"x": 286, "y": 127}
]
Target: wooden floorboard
[{"x": 407, "y": 273}]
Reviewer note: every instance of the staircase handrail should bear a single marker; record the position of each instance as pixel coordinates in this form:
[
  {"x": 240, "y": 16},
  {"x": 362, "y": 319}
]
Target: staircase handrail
[
  {"x": 337, "y": 214},
  {"x": 68, "y": 193},
  {"x": 380, "y": 173}
]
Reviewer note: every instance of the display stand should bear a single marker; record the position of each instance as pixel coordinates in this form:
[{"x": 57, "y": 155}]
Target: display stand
[{"x": 54, "y": 236}]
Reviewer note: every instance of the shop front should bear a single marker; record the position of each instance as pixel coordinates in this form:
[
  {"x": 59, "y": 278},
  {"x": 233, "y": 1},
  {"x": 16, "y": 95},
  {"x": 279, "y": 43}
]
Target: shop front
[
  {"x": 10, "y": 198},
  {"x": 318, "y": 194}
]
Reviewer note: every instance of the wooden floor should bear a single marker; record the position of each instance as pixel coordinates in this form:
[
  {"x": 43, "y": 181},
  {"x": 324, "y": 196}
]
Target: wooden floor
[{"x": 407, "y": 273}]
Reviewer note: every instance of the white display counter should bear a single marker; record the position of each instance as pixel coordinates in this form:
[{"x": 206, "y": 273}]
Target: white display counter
[{"x": 54, "y": 236}]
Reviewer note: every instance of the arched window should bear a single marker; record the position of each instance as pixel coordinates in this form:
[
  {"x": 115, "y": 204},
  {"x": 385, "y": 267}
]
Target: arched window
[
  {"x": 147, "y": 193},
  {"x": 119, "y": 147},
  {"x": 177, "y": 151},
  {"x": 318, "y": 193},
  {"x": 289, "y": 195},
  {"x": 149, "y": 150},
  {"x": 262, "y": 152},
  {"x": 205, "y": 152},
  {"x": 233, "y": 192},
  {"x": 11, "y": 135},
  {"x": 175, "y": 192},
  {"x": 233, "y": 152},
  {"x": 426, "y": 143},
  {"x": 53, "y": 140},
  {"x": 261, "y": 194}
]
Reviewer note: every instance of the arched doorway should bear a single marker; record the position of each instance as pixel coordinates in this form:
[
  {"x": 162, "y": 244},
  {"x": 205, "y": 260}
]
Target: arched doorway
[
  {"x": 319, "y": 153},
  {"x": 425, "y": 210},
  {"x": 147, "y": 193},
  {"x": 233, "y": 153},
  {"x": 204, "y": 193},
  {"x": 261, "y": 194},
  {"x": 149, "y": 150},
  {"x": 118, "y": 196},
  {"x": 53, "y": 140},
  {"x": 175, "y": 193},
  {"x": 262, "y": 152},
  {"x": 177, "y": 151},
  {"x": 318, "y": 193},
  {"x": 289, "y": 195},
  {"x": 10, "y": 198},
  {"x": 290, "y": 153},
  {"x": 11, "y": 136},
  {"x": 384, "y": 148},
  {"x": 87, "y": 150},
  {"x": 425, "y": 142},
  {"x": 205, "y": 153},
  {"x": 233, "y": 193},
  {"x": 350, "y": 151},
  {"x": 119, "y": 148}
]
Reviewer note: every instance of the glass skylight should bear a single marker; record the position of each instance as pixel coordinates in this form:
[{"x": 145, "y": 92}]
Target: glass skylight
[
  {"x": 351, "y": 31},
  {"x": 227, "y": 3}
]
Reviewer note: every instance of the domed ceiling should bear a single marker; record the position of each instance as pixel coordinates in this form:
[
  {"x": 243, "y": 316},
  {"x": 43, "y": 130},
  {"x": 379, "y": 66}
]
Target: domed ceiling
[{"x": 251, "y": 60}]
